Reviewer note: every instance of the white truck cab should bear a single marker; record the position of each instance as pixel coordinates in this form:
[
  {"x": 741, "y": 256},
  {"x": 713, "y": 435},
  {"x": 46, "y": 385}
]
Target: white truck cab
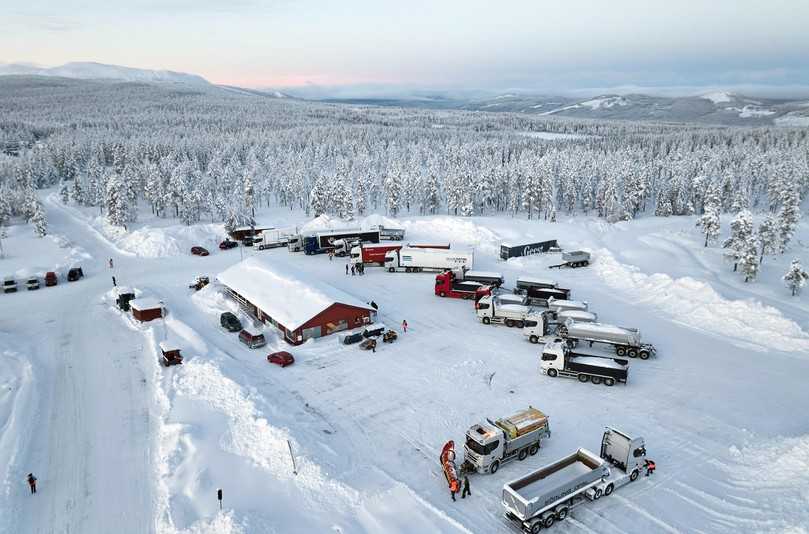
[{"x": 492, "y": 443}]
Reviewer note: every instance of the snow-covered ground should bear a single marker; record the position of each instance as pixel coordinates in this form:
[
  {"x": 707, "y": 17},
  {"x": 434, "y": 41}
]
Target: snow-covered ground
[{"x": 122, "y": 445}]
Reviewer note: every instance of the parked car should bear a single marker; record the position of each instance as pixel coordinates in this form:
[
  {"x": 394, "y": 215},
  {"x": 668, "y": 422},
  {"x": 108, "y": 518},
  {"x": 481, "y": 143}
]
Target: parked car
[
  {"x": 9, "y": 285},
  {"x": 282, "y": 358},
  {"x": 230, "y": 322},
  {"x": 32, "y": 283},
  {"x": 228, "y": 244},
  {"x": 74, "y": 274},
  {"x": 199, "y": 251},
  {"x": 51, "y": 279},
  {"x": 252, "y": 339},
  {"x": 349, "y": 338}
]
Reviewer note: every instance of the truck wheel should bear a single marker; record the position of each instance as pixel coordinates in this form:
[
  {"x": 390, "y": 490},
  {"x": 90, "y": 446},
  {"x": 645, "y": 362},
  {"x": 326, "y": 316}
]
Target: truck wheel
[
  {"x": 533, "y": 449},
  {"x": 633, "y": 476},
  {"x": 632, "y": 353},
  {"x": 584, "y": 378},
  {"x": 620, "y": 351},
  {"x": 548, "y": 521},
  {"x": 608, "y": 490},
  {"x": 509, "y": 323},
  {"x": 597, "y": 494},
  {"x": 644, "y": 354},
  {"x": 442, "y": 294},
  {"x": 391, "y": 270},
  {"x": 494, "y": 467},
  {"x": 533, "y": 339},
  {"x": 609, "y": 381},
  {"x": 486, "y": 320},
  {"x": 561, "y": 514},
  {"x": 408, "y": 269},
  {"x": 520, "y": 324},
  {"x": 523, "y": 454},
  {"x": 552, "y": 373},
  {"x": 596, "y": 380},
  {"x": 536, "y": 528}
]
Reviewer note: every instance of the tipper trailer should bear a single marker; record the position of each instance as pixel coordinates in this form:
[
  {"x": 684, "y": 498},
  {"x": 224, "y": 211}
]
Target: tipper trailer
[
  {"x": 372, "y": 253},
  {"x": 414, "y": 260},
  {"x": 538, "y": 290},
  {"x": 558, "y": 360},
  {"x": 492, "y": 443},
  {"x": 626, "y": 341},
  {"x": 447, "y": 284},
  {"x": 573, "y": 259},
  {"x": 539, "y": 499},
  {"x": 484, "y": 277}
]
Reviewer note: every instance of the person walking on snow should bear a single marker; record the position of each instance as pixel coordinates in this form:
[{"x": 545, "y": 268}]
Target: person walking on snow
[
  {"x": 110, "y": 263},
  {"x": 465, "y": 491},
  {"x": 32, "y": 483},
  {"x": 346, "y": 269},
  {"x": 352, "y": 270},
  {"x": 113, "y": 282},
  {"x": 404, "y": 326}
]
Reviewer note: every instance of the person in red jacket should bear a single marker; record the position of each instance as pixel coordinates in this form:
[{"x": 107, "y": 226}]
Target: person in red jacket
[{"x": 404, "y": 326}]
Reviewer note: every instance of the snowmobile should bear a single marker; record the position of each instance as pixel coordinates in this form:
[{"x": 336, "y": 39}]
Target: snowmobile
[
  {"x": 199, "y": 283},
  {"x": 390, "y": 336}
]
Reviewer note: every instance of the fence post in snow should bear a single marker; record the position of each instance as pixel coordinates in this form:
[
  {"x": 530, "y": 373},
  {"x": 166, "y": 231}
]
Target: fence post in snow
[{"x": 294, "y": 466}]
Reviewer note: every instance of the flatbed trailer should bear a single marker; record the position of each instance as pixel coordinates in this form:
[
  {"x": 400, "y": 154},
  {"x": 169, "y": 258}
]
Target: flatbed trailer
[{"x": 573, "y": 259}]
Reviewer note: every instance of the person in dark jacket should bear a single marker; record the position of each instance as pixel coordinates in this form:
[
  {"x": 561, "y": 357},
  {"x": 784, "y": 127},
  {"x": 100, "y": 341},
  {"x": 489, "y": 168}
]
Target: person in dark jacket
[
  {"x": 32, "y": 483},
  {"x": 346, "y": 269},
  {"x": 465, "y": 491},
  {"x": 374, "y": 306}
]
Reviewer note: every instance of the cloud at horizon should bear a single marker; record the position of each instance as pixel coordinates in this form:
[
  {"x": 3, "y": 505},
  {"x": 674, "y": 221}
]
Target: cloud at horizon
[{"x": 450, "y": 45}]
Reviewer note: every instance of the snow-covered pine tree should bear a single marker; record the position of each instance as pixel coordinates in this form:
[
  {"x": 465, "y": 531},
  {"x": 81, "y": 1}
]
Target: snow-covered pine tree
[
  {"x": 795, "y": 278},
  {"x": 37, "y": 215},
  {"x": 768, "y": 237},
  {"x": 749, "y": 261},
  {"x": 709, "y": 222},
  {"x": 393, "y": 192},
  {"x": 249, "y": 194},
  {"x": 741, "y": 232},
  {"x": 789, "y": 215},
  {"x": 115, "y": 198},
  {"x": 318, "y": 198},
  {"x": 64, "y": 192}
]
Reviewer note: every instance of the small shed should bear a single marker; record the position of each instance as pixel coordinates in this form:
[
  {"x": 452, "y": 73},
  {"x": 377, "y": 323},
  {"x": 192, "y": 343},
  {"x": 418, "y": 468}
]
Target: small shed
[
  {"x": 146, "y": 309},
  {"x": 170, "y": 353}
]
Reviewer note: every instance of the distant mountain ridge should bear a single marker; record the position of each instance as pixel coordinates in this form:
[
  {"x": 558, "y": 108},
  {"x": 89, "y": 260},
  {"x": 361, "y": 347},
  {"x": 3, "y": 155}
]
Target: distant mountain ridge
[{"x": 88, "y": 70}]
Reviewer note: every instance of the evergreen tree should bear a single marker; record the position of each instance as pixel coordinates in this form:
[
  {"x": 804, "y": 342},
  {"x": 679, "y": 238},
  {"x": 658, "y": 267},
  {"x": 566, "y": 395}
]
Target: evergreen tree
[
  {"x": 115, "y": 198},
  {"x": 709, "y": 222},
  {"x": 741, "y": 235},
  {"x": 64, "y": 192},
  {"x": 768, "y": 237},
  {"x": 795, "y": 278},
  {"x": 789, "y": 215},
  {"x": 38, "y": 218},
  {"x": 749, "y": 260}
]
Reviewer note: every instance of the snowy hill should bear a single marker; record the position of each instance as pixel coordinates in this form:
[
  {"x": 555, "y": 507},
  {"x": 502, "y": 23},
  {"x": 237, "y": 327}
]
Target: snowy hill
[{"x": 90, "y": 70}]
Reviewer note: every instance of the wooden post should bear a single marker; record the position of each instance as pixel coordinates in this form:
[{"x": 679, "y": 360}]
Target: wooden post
[{"x": 294, "y": 465}]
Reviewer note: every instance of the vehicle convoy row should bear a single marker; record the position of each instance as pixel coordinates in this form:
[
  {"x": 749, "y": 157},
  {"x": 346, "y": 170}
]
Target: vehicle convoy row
[
  {"x": 32, "y": 282},
  {"x": 542, "y": 497}
]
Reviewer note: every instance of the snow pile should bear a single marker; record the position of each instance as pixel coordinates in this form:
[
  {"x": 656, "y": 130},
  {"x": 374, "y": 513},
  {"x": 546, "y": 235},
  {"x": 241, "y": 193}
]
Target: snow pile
[
  {"x": 605, "y": 102},
  {"x": 777, "y": 472},
  {"x": 749, "y": 111},
  {"x": 698, "y": 305},
  {"x": 719, "y": 97},
  {"x": 324, "y": 222},
  {"x": 154, "y": 242},
  {"x": 376, "y": 220},
  {"x": 26, "y": 255},
  {"x": 453, "y": 230}
]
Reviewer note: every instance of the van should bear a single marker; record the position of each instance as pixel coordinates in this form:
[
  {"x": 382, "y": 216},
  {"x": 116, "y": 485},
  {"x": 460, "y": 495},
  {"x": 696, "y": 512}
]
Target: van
[{"x": 253, "y": 340}]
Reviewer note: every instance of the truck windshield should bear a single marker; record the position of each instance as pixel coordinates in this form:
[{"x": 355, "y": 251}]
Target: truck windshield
[{"x": 474, "y": 446}]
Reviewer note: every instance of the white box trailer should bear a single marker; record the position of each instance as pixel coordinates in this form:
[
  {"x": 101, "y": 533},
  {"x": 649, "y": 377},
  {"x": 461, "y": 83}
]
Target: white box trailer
[
  {"x": 414, "y": 260},
  {"x": 626, "y": 341},
  {"x": 547, "y": 495},
  {"x": 274, "y": 238},
  {"x": 489, "y": 445}
]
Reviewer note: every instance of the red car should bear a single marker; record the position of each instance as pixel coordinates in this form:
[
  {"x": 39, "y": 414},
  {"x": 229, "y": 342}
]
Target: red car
[
  {"x": 50, "y": 279},
  {"x": 282, "y": 358},
  {"x": 199, "y": 251}
]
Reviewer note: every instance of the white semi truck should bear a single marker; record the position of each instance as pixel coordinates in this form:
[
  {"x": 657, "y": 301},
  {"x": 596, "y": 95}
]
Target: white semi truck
[
  {"x": 489, "y": 311},
  {"x": 558, "y": 360},
  {"x": 626, "y": 341},
  {"x": 414, "y": 260},
  {"x": 547, "y": 495},
  {"x": 492, "y": 443}
]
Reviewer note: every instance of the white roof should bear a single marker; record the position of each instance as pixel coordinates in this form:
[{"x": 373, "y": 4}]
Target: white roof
[
  {"x": 145, "y": 304},
  {"x": 167, "y": 346},
  {"x": 487, "y": 274},
  {"x": 279, "y": 293},
  {"x": 540, "y": 281},
  {"x": 374, "y": 326}
]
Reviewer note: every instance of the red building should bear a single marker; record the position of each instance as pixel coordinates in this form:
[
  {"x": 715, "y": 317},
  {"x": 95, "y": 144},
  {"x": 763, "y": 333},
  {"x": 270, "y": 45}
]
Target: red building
[
  {"x": 299, "y": 309},
  {"x": 146, "y": 309}
]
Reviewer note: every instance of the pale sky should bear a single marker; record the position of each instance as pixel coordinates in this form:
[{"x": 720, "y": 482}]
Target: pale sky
[{"x": 455, "y": 44}]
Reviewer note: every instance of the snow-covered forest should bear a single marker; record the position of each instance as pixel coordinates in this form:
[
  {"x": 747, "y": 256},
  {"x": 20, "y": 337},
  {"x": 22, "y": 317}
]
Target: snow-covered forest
[{"x": 215, "y": 156}]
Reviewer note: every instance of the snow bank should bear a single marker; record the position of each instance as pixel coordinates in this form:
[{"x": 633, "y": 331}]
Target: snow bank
[
  {"x": 454, "y": 230},
  {"x": 327, "y": 222},
  {"x": 697, "y": 304},
  {"x": 156, "y": 242}
]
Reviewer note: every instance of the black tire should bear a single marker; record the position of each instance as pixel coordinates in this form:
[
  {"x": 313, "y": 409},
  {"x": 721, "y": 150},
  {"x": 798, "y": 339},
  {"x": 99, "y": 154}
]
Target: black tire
[
  {"x": 523, "y": 454},
  {"x": 442, "y": 294},
  {"x": 519, "y": 324},
  {"x": 533, "y": 449},
  {"x": 533, "y": 339},
  {"x": 620, "y": 351},
  {"x": 609, "y": 382},
  {"x": 536, "y": 528},
  {"x": 586, "y": 263},
  {"x": 584, "y": 378},
  {"x": 391, "y": 270},
  {"x": 633, "y": 476},
  {"x": 486, "y": 320},
  {"x": 552, "y": 373},
  {"x": 494, "y": 467},
  {"x": 597, "y": 494},
  {"x": 561, "y": 514},
  {"x": 408, "y": 270},
  {"x": 548, "y": 521},
  {"x": 632, "y": 353},
  {"x": 595, "y": 380},
  {"x": 644, "y": 354},
  {"x": 509, "y": 323},
  {"x": 608, "y": 490}
]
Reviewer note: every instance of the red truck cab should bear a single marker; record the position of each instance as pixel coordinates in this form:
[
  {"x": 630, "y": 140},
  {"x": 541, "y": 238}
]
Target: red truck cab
[{"x": 447, "y": 285}]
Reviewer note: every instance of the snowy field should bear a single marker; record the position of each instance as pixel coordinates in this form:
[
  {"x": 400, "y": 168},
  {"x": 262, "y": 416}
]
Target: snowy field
[{"x": 121, "y": 444}]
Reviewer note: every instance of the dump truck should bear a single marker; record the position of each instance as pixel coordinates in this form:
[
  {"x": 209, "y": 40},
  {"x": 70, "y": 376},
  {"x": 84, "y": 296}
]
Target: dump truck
[
  {"x": 626, "y": 341},
  {"x": 490, "y": 312},
  {"x": 447, "y": 284},
  {"x": 492, "y": 443},
  {"x": 538, "y": 290},
  {"x": 414, "y": 260},
  {"x": 371, "y": 253},
  {"x": 539, "y": 499},
  {"x": 559, "y": 360},
  {"x": 573, "y": 259},
  {"x": 558, "y": 312},
  {"x": 483, "y": 277}
]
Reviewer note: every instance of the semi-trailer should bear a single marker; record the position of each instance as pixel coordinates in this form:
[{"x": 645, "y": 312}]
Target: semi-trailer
[
  {"x": 372, "y": 253},
  {"x": 447, "y": 284},
  {"x": 484, "y": 277},
  {"x": 489, "y": 311},
  {"x": 321, "y": 242},
  {"x": 626, "y": 341},
  {"x": 559, "y": 360},
  {"x": 558, "y": 311},
  {"x": 539, "y": 499},
  {"x": 273, "y": 238},
  {"x": 413, "y": 260},
  {"x": 513, "y": 251},
  {"x": 445, "y": 246},
  {"x": 390, "y": 234}
]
